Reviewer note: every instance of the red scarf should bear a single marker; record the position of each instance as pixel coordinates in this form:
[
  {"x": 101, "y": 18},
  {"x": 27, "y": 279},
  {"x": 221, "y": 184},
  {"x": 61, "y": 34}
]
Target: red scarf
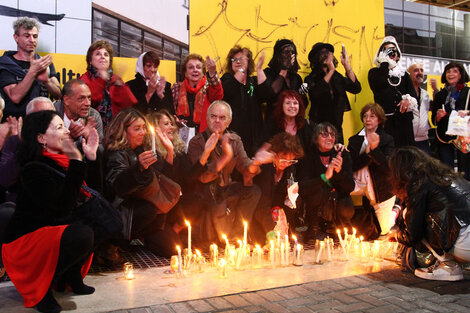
[
  {"x": 183, "y": 106},
  {"x": 63, "y": 161}
]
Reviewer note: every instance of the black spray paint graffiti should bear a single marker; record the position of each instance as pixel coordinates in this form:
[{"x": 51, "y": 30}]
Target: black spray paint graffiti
[{"x": 310, "y": 35}]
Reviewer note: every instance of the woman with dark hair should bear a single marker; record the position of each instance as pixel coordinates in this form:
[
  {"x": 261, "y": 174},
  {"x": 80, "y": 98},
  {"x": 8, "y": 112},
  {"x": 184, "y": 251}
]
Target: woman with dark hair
[
  {"x": 327, "y": 87},
  {"x": 109, "y": 94},
  {"x": 130, "y": 171},
  {"x": 281, "y": 73},
  {"x": 325, "y": 182},
  {"x": 151, "y": 90},
  {"x": 454, "y": 96},
  {"x": 200, "y": 87},
  {"x": 288, "y": 116},
  {"x": 44, "y": 243},
  {"x": 370, "y": 151},
  {"x": 245, "y": 94},
  {"x": 274, "y": 180},
  {"x": 437, "y": 211}
]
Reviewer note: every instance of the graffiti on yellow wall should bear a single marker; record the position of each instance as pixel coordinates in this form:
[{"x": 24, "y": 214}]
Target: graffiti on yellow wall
[{"x": 218, "y": 25}]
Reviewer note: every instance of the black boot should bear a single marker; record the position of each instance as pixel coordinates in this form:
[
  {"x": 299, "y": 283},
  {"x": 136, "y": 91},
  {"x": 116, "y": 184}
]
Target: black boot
[
  {"x": 48, "y": 304},
  {"x": 73, "y": 277}
]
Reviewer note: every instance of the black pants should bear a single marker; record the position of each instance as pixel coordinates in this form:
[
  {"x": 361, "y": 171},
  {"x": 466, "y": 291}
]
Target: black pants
[
  {"x": 153, "y": 228},
  {"x": 342, "y": 213},
  {"x": 76, "y": 245}
]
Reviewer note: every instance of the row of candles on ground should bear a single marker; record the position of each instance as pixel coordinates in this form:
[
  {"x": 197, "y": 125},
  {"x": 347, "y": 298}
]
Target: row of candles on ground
[{"x": 278, "y": 253}]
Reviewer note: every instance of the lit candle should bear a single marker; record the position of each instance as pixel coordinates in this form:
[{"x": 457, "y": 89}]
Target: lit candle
[
  {"x": 339, "y": 237},
  {"x": 180, "y": 261},
  {"x": 189, "y": 238},
  {"x": 319, "y": 252},
  {"x": 271, "y": 253},
  {"x": 283, "y": 255},
  {"x": 129, "y": 270},
  {"x": 295, "y": 240},
  {"x": 227, "y": 245},
  {"x": 152, "y": 137},
  {"x": 353, "y": 237},
  {"x": 328, "y": 246},
  {"x": 345, "y": 234},
  {"x": 278, "y": 238},
  {"x": 214, "y": 251},
  {"x": 287, "y": 251},
  {"x": 245, "y": 231},
  {"x": 257, "y": 254},
  {"x": 298, "y": 255},
  {"x": 223, "y": 268},
  {"x": 199, "y": 260},
  {"x": 239, "y": 254}
]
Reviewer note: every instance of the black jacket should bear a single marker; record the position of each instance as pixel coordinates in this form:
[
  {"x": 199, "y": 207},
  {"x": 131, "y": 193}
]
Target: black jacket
[
  {"x": 376, "y": 160},
  {"x": 399, "y": 125},
  {"x": 330, "y": 101},
  {"x": 245, "y": 101},
  {"x": 440, "y": 100},
  {"x": 139, "y": 89},
  {"x": 44, "y": 197},
  {"x": 313, "y": 189},
  {"x": 429, "y": 208}
]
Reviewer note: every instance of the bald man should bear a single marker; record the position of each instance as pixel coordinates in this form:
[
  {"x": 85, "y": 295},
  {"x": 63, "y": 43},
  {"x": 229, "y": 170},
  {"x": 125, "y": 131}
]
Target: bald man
[{"x": 420, "y": 112}]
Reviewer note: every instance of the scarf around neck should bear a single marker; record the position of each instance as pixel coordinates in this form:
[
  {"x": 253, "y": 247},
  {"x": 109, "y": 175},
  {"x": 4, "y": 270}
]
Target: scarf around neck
[
  {"x": 104, "y": 108},
  {"x": 200, "y": 91}
]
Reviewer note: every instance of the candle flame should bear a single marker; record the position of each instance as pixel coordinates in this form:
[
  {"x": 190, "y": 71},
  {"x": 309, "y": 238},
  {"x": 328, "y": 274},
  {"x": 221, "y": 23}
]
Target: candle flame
[
  {"x": 240, "y": 242},
  {"x": 354, "y": 231},
  {"x": 294, "y": 237},
  {"x": 224, "y": 237},
  {"x": 345, "y": 230},
  {"x": 258, "y": 247},
  {"x": 322, "y": 243},
  {"x": 245, "y": 223},
  {"x": 152, "y": 130},
  {"x": 178, "y": 248},
  {"x": 198, "y": 252},
  {"x": 187, "y": 223},
  {"x": 361, "y": 238},
  {"x": 222, "y": 262},
  {"x": 338, "y": 231}
]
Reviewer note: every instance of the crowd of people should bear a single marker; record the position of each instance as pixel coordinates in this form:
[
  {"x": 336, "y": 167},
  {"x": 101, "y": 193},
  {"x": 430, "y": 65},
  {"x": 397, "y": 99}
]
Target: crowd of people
[{"x": 219, "y": 152}]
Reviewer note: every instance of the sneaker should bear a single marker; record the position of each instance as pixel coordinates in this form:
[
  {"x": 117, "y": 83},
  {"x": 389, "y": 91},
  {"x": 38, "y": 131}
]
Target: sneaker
[{"x": 447, "y": 270}]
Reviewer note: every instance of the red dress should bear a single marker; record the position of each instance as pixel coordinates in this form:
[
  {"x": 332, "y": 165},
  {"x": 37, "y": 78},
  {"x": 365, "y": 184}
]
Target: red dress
[{"x": 31, "y": 260}]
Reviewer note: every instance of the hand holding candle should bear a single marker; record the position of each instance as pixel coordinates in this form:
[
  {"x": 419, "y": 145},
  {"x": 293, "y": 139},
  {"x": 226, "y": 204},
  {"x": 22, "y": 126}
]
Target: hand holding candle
[{"x": 152, "y": 137}]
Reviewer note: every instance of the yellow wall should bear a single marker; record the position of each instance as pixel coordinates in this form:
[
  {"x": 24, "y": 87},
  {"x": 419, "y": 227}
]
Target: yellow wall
[
  {"x": 217, "y": 25},
  {"x": 73, "y": 65}
]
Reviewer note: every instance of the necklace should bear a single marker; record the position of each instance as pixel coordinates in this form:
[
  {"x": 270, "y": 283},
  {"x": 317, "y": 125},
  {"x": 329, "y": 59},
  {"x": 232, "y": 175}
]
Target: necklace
[{"x": 394, "y": 85}]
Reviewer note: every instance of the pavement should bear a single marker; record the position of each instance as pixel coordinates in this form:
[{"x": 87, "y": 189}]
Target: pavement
[{"x": 334, "y": 286}]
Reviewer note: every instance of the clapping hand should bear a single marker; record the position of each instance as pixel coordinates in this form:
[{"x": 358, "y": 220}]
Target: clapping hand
[{"x": 90, "y": 144}]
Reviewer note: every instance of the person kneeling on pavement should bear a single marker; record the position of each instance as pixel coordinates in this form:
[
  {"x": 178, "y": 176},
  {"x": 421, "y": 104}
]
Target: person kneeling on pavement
[{"x": 437, "y": 212}]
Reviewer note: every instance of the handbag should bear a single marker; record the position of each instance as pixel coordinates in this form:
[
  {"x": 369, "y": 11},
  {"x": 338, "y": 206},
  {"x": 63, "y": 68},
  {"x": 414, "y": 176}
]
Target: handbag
[
  {"x": 95, "y": 212},
  {"x": 442, "y": 229},
  {"x": 162, "y": 192},
  {"x": 457, "y": 126}
]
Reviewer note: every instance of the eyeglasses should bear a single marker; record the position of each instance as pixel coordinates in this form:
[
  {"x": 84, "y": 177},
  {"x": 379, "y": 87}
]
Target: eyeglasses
[
  {"x": 328, "y": 134},
  {"x": 237, "y": 60},
  {"x": 288, "y": 161}
]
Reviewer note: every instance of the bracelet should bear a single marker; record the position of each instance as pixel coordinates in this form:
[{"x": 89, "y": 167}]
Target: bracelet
[{"x": 326, "y": 180}]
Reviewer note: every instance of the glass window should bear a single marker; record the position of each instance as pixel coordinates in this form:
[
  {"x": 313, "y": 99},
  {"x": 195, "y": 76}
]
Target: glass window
[
  {"x": 393, "y": 17},
  {"x": 440, "y": 11},
  {"x": 393, "y": 4},
  {"x": 441, "y": 25},
  {"x": 171, "y": 51},
  {"x": 462, "y": 52},
  {"x": 417, "y": 21},
  {"x": 416, "y": 7},
  {"x": 419, "y": 50},
  {"x": 416, "y": 37},
  {"x": 444, "y": 45},
  {"x": 131, "y": 32},
  {"x": 153, "y": 42}
]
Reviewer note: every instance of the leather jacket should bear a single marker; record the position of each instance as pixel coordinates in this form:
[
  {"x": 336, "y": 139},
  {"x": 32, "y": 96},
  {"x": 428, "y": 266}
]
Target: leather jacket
[{"x": 436, "y": 214}]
